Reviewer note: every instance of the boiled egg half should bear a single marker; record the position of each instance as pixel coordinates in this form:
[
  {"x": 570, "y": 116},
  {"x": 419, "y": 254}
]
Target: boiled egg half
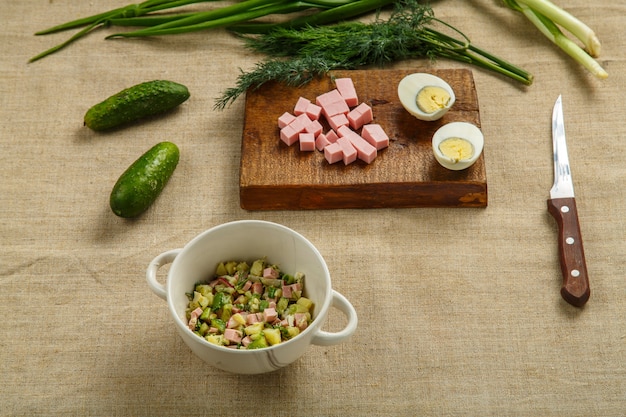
[
  {"x": 457, "y": 145},
  {"x": 425, "y": 96}
]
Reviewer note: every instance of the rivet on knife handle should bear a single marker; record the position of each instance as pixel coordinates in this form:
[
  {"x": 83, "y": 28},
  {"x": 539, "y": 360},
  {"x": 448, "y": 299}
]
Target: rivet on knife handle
[{"x": 575, "y": 287}]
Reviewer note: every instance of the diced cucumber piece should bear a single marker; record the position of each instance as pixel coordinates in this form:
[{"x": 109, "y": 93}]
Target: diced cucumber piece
[{"x": 258, "y": 343}]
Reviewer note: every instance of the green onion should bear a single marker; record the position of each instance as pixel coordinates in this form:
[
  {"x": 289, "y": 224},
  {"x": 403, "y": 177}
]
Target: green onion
[
  {"x": 176, "y": 22},
  {"x": 547, "y": 17}
]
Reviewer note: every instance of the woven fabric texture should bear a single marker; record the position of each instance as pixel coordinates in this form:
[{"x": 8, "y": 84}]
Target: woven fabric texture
[{"x": 459, "y": 309}]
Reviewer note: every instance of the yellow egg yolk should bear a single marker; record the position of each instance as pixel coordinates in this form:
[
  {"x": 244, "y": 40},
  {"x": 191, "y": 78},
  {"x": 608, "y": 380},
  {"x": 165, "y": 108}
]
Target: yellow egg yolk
[
  {"x": 432, "y": 98},
  {"x": 456, "y": 149}
]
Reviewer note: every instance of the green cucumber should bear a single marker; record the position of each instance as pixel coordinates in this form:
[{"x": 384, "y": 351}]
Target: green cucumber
[
  {"x": 134, "y": 103},
  {"x": 140, "y": 185}
]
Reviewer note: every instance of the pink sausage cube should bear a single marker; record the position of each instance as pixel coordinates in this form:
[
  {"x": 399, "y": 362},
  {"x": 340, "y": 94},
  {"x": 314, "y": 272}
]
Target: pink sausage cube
[
  {"x": 300, "y": 320},
  {"x": 246, "y": 341},
  {"x": 328, "y": 98},
  {"x": 301, "y": 122},
  {"x": 270, "y": 273},
  {"x": 233, "y": 335},
  {"x": 365, "y": 110},
  {"x": 269, "y": 315},
  {"x": 332, "y": 103},
  {"x": 289, "y": 135},
  {"x": 321, "y": 141},
  {"x": 332, "y": 137},
  {"x": 252, "y": 318},
  {"x": 307, "y": 141},
  {"x": 360, "y": 115},
  {"x": 344, "y": 131},
  {"x": 336, "y": 108},
  {"x": 345, "y": 86},
  {"x": 285, "y": 119},
  {"x": 338, "y": 120},
  {"x": 354, "y": 119},
  {"x": 301, "y": 106},
  {"x": 349, "y": 153},
  {"x": 257, "y": 288},
  {"x": 375, "y": 135},
  {"x": 333, "y": 153},
  {"x": 365, "y": 151},
  {"x": 313, "y": 111},
  {"x": 314, "y": 127}
]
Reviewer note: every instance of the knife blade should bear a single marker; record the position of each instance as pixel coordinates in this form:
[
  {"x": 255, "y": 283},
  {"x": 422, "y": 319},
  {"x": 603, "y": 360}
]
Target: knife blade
[{"x": 562, "y": 206}]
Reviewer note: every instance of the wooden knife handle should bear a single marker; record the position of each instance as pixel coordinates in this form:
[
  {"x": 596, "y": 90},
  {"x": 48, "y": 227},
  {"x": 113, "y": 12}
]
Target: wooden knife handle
[{"x": 575, "y": 287}]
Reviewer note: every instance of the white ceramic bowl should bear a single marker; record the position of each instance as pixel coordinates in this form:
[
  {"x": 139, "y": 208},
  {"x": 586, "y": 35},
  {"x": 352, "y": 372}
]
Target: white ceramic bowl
[
  {"x": 462, "y": 130},
  {"x": 249, "y": 240}
]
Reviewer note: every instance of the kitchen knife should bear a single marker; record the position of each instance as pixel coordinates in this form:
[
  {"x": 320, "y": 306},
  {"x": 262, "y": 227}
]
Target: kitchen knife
[{"x": 562, "y": 206}]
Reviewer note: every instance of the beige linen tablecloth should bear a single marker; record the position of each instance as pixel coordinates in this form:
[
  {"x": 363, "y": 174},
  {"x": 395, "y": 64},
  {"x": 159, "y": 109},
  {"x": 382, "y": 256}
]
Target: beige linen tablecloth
[{"x": 459, "y": 309}]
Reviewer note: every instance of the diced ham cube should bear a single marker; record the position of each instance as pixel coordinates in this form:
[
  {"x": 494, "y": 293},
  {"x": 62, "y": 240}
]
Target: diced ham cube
[
  {"x": 289, "y": 135},
  {"x": 315, "y": 127},
  {"x": 307, "y": 141},
  {"x": 332, "y": 103},
  {"x": 233, "y": 335},
  {"x": 337, "y": 121},
  {"x": 300, "y": 123},
  {"x": 300, "y": 321},
  {"x": 257, "y": 288},
  {"x": 343, "y": 131},
  {"x": 365, "y": 110},
  {"x": 327, "y": 98},
  {"x": 251, "y": 319},
  {"x": 333, "y": 153},
  {"x": 375, "y": 135},
  {"x": 365, "y": 151},
  {"x": 360, "y": 115},
  {"x": 246, "y": 341},
  {"x": 269, "y": 315},
  {"x": 285, "y": 119},
  {"x": 349, "y": 153},
  {"x": 270, "y": 272},
  {"x": 345, "y": 86},
  {"x": 313, "y": 111},
  {"x": 193, "y": 319},
  {"x": 301, "y": 106},
  {"x": 286, "y": 291},
  {"x": 289, "y": 289},
  {"x": 321, "y": 141},
  {"x": 332, "y": 137},
  {"x": 247, "y": 285},
  {"x": 334, "y": 109}
]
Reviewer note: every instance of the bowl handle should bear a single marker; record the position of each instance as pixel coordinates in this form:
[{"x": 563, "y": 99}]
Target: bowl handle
[
  {"x": 324, "y": 338},
  {"x": 153, "y": 267}
]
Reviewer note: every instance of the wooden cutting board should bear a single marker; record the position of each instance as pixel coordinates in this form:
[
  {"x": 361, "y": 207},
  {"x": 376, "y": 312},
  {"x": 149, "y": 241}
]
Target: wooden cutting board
[{"x": 274, "y": 176}]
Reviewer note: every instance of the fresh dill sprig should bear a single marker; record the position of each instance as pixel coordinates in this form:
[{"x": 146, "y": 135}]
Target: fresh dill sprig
[
  {"x": 293, "y": 72},
  {"x": 299, "y": 54}
]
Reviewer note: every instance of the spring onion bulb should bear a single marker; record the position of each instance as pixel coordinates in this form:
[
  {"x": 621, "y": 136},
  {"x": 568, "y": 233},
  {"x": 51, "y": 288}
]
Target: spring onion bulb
[{"x": 547, "y": 17}]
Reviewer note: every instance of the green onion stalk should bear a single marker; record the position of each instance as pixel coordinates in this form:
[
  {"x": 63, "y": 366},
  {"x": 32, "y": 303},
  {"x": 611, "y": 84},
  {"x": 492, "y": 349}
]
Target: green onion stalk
[
  {"x": 154, "y": 22},
  {"x": 547, "y": 17}
]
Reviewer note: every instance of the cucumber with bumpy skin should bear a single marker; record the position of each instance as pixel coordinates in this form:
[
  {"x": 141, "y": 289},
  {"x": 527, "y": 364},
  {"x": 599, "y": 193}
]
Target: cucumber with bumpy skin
[
  {"x": 136, "y": 102},
  {"x": 140, "y": 185}
]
